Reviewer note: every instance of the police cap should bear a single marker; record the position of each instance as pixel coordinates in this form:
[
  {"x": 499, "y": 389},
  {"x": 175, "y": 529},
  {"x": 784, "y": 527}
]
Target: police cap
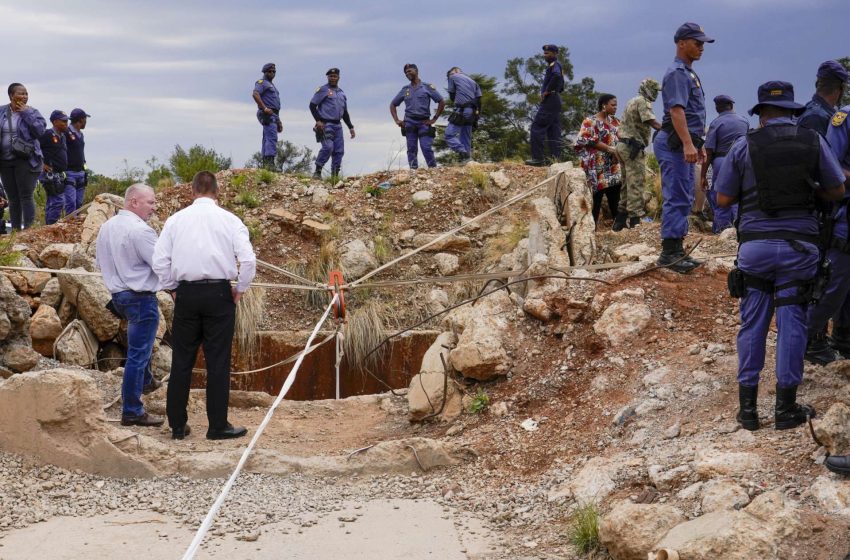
[
  {"x": 268, "y": 66},
  {"x": 723, "y": 100},
  {"x": 832, "y": 69},
  {"x": 332, "y": 71},
  {"x": 77, "y": 114},
  {"x": 691, "y": 30},
  {"x": 58, "y": 115},
  {"x": 549, "y": 47}
]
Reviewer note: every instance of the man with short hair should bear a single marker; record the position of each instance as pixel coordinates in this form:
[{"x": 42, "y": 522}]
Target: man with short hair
[
  {"x": 466, "y": 95},
  {"x": 722, "y": 133},
  {"x": 418, "y": 124},
  {"x": 635, "y": 127},
  {"x": 829, "y": 87},
  {"x": 55, "y": 149},
  {"x": 77, "y": 171},
  {"x": 196, "y": 258},
  {"x": 125, "y": 245},
  {"x": 546, "y": 125},
  {"x": 267, "y": 98},
  {"x": 329, "y": 106},
  {"x": 679, "y": 145},
  {"x": 775, "y": 173}
]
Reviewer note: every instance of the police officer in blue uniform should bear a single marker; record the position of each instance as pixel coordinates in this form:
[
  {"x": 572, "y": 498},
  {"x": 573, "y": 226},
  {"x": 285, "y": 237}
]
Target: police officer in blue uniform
[
  {"x": 679, "y": 145},
  {"x": 466, "y": 95},
  {"x": 774, "y": 173},
  {"x": 329, "y": 106},
  {"x": 722, "y": 133},
  {"x": 77, "y": 171},
  {"x": 418, "y": 125},
  {"x": 835, "y": 303},
  {"x": 267, "y": 99},
  {"x": 829, "y": 87},
  {"x": 55, "y": 149},
  {"x": 546, "y": 126}
]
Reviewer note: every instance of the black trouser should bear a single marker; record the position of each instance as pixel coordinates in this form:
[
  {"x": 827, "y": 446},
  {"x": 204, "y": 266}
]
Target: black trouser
[
  {"x": 613, "y": 196},
  {"x": 203, "y": 314},
  {"x": 19, "y": 180}
]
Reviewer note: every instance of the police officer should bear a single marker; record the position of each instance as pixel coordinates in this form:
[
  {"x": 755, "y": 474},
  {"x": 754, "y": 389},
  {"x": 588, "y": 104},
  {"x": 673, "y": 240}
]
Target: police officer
[
  {"x": 546, "y": 126},
  {"x": 829, "y": 87},
  {"x": 418, "y": 125},
  {"x": 466, "y": 95},
  {"x": 267, "y": 99},
  {"x": 328, "y": 106},
  {"x": 722, "y": 133},
  {"x": 77, "y": 171},
  {"x": 775, "y": 173},
  {"x": 635, "y": 126},
  {"x": 55, "y": 149},
  {"x": 678, "y": 145}
]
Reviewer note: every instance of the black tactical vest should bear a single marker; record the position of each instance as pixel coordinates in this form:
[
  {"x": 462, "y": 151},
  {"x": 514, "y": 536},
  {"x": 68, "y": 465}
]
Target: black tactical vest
[{"x": 785, "y": 160}]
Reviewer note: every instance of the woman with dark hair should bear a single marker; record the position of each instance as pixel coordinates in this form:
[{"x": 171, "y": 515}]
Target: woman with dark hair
[
  {"x": 20, "y": 154},
  {"x": 596, "y": 146}
]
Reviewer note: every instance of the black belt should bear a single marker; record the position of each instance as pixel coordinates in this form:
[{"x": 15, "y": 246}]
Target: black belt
[
  {"x": 138, "y": 293},
  {"x": 205, "y": 281},
  {"x": 744, "y": 236},
  {"x": 326, "y": 121},
  {"x": 76, "y": 170},
  {"x": 720, "y": 154}
]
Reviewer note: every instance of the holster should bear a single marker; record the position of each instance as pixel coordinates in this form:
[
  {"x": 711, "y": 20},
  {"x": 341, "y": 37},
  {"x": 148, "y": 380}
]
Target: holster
[
  {"x": 675, "y": 143},
  {"x": 735, "y": 283},
  {"x": 54, "y": 184},
  {"x": 320, "y": 133},
  {"x": 821, "y": 281},
  {"x": 635, "y": 147}
]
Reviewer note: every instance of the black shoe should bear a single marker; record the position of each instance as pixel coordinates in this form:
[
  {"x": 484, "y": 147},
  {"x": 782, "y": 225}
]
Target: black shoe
[
  {"x": 748, "y": 416},
  {"x": 634, "y": 222},
  {"x": 818, "y": 350},
  {"x": 619, "y": 221},
  {"x": 463, "y": 157},
  {"x": 839, "y": 464},
  {"x": 268, "y": 163},
  {"x": 671, "y": 251},
  {"x": 317, "y": 174},
  {"x": 535, "y": 162},
  {"x": 228, "y": 432},
  {"x": 840, "y": 341},
  {"x": 789, "y": 414},
  {"x": 180, "y": 433},
  {"x": 152, "y": 386},
  {"x": 145, "y": 420}
]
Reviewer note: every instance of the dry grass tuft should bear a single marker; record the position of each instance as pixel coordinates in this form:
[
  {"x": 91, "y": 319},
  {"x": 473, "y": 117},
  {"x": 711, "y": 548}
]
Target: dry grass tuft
[
  {"x": 507, "y": 242},
  {"x": 249, "y": 314},
  {"x": 318, "y": 270},
  {"x": 365, "y": 330}
]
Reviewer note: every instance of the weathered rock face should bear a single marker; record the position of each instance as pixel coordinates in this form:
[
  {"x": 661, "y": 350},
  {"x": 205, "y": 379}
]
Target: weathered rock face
[
  {"x": 833, "y": 430},
  {"x": 721, "y": 494},
  {"x": 166, "y": 307},
  {"x": 831, "y": 494},
  {"x": 51, "y": 294},
  {"x": 447, "y": 263},
  {"x": 56, "y": 255},
  {"x": 575, "y": 198},
  {"x": 321, "y": 197},
  {"x": 28, "y": 282},
  {"x": 623, "y": 320},
  {"x": 438, "y": 300},
  {"x": 18, "y": 357},
  {"x": 103, "y": 207},
  {"x": 451, "y": 243},
  {"x": 710, "y": 463},
  {"x": 357, "y": 259},
  {"x": 633, "y": 252},
  {"x": 16, "y": 312},
  {"x": 89, "y": 295},
  {"x": 161, "y": 361},
  {"x": 500, "y": 179},
  {"x": 430, "y": 386},
  {"x": 45, "y": 327},
  {"x": 630, "y": 530},
  {"x": 545, "y": 257},
  {"x": 422, "y": 198},
  {"x": 598, "y": 478},
  {"x": 480, "y": 352},
  {"x": 77, "y": 345}
]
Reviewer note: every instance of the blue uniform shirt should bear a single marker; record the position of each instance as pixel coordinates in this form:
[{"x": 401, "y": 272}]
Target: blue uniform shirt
[
  {"x": 76, "y": 149},
  {"x": 417, "y": 100},
  {"x": 268, "y": 94},
  {"x": 737, "y": 175},
  {"x": 55, "y": 150},
  {"x": 464, "y": 89},
  {"x": 838, "y": 137},
  {"x": 553, "y": 79},
  {"x": 681, "y": 87},
  {"x": 817, "y": 115},
  {"x": 724, "y": 130},
  {"x": 331, "y": 102}
]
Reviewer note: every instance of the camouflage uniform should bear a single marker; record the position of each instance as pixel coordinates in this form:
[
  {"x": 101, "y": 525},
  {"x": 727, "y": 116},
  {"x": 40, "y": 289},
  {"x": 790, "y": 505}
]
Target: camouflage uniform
[{"x": 634, "y": 126}]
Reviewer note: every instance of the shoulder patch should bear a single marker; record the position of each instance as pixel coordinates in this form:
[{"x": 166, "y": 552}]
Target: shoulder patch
[
  {"x": 431, "y": 86},
  {"x": 838, "y": 118},
  {"x": 259, "y": 81},
  {"x": 318, "y": 89}
]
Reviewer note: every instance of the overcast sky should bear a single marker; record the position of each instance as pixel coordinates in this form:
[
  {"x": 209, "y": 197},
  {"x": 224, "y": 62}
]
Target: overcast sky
[{"x": 157, "y": 73}]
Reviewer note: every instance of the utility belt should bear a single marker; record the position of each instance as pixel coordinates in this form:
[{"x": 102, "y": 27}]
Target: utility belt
[
  {"x": 268, "y": 119},
  {"x": 635, "y": 148},
  {"x": 674, "y": 143},
  {"x": 458, "y": 117},
  {"x": 323, "y": 133},
  {"x": 415, "y": 127},
  {"x": 54, "y": 183},
  {"x": 721, "y": 154}
]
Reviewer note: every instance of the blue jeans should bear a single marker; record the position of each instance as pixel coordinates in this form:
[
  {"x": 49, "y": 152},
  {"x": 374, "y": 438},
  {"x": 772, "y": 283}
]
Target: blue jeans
[
  {"x": 677, "y": 188},
  {"x": 141, "y": 311}
]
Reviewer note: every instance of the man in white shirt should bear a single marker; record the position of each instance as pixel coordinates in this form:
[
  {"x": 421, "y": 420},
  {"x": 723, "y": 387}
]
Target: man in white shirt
[
  {"x": 125, "y": 246},
  {"x": 196, "y": 258}
]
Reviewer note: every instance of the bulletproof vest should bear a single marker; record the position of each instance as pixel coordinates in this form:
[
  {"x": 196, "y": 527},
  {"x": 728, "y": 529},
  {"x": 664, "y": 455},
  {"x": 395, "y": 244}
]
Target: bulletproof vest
[{"x": 785, "y": 160}]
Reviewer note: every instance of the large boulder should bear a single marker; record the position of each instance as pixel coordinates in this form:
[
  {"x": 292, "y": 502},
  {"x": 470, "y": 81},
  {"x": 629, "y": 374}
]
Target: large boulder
[
  {"x": 29, "y": 282},
  {"x": 89, "y": 295},
  {"x": 45, "y": 327},
  {"x": 357, "y": 259},
  {"x": 431, "y": 387},
  {"x": 56, "y": 255},
  {"x": 161, "y": 361},
  {"x": 720, "y": 494},
  {"x": 5, "y": 325},
  {"x": 480, "y": 352},
  {"x": 447, "y": 263},
  {"x": 103, "y": 207},
  {"x": 18, "y": 357},
  {"x": 629, "y": 530},
  {"x": 16, "y": 309},
  {"x": 51, "y": 294},
  {"x": 711, "y": 463},
  {"x": 599, "y": 477},
  {"x": 622, "y": 320},
  {"x": 833, "y": 430},
  {"x": 77, "y": 345},
  {"x": 569, "y": 189},
  {"x": 831, "y": 495}
]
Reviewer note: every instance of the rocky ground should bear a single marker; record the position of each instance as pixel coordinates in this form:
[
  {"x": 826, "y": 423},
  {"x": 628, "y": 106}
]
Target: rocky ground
[{"x": 614, "y": 388}]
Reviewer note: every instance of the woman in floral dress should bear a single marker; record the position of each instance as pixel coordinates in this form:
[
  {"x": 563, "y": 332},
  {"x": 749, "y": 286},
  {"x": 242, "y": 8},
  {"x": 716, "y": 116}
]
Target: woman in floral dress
[{"x": 596, "y": 146}]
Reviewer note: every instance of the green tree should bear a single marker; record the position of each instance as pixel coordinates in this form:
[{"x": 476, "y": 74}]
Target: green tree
[
  {"x": 185, "y": 164},
  {"x": 159, "y": 174},
  {"x": 845, "y": 99},
  {"x": 288, "y": 159}
]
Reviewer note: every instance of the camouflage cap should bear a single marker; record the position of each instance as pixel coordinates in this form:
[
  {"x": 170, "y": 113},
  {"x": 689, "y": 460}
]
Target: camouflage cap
[{"x": 649, "y": 88}]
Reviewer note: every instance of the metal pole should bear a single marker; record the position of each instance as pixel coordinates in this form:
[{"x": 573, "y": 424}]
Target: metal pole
[{"x": 339, "y": 353}]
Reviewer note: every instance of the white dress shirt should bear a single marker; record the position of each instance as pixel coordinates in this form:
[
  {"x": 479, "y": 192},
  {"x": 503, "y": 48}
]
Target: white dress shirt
[
  {"x": 204, "y": 242},
  {"x": 125, "y": 246}
]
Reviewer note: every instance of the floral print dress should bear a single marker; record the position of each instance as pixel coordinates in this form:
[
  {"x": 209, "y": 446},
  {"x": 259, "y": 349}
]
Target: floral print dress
[{"x": 602, "y": 169}]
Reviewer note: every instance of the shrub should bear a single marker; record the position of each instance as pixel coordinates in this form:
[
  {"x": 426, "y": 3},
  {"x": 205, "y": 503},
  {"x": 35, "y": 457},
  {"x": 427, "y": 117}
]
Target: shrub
[
  {"x": 248, "y": 199},
  {"x": 480, "y": 402},
  {"x": 264, "y": 176},
  {"x": 583, "y": 530},
  {"x": 383, "y": 248},
  {"x": 185, "y": 164},
  {"x": 238, "y": 181},
  {"x": 480, "y": 179},
  {"x": 8, "y": 257}
]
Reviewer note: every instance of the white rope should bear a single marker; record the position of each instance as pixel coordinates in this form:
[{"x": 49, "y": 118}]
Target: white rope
[{"x": 205, "y": 526}]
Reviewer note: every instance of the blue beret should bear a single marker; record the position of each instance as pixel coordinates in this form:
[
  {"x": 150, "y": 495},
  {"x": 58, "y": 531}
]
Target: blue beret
[
  {"x": 834, "y": 70},
  {"x": 691, "y": 31}
]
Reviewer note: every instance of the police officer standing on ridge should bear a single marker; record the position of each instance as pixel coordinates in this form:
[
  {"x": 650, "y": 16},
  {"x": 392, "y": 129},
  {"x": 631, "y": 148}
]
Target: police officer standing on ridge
[
  {"x": 722, "y": 133},
  {"x": 546, "y": 126},
  {"x": 55, "y": 150},
  {"x": 417, "y": 126},
  {"x": 466, "y": 95},
  {"x": 775, "y": 173},
  {"x": 638, "y": 119},
  {"x": 678, "y": 145},
  {"x": 77, "y": 173},
  {"x": 328, "y": 106},
  {"x": 267, "y": 99},
  {"x": 829, "y": 87}
]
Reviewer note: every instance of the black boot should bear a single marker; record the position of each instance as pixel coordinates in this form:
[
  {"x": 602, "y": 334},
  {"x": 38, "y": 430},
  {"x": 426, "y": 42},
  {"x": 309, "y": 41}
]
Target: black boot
[
  {"x": 818, "y": 350},
  {"x": 789, "y": 414},
  {"x": 620, "y": 221},
  {"x": 840, "y": 341},
  {"x": 335, "y": 174},
  {"x": 317, "y": 174},
  {"x": 535, "y": 162},
  {"x": 748, "y": 416},
  {"x": 634, "y": 222},
  {"x": 671, "y": 251},
  {"x": 268, "y": 162}
]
